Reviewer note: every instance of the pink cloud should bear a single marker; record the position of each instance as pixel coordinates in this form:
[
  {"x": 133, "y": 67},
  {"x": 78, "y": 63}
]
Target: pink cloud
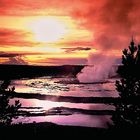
[{"x": 112, "y": 22}]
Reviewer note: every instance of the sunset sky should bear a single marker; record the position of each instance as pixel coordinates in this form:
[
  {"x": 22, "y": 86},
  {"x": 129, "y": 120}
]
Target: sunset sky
[{"x": 57, "y": 32}]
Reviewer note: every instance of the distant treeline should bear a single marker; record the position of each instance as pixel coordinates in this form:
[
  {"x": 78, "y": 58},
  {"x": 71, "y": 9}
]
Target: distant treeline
[{"x": 28, "y": 71}]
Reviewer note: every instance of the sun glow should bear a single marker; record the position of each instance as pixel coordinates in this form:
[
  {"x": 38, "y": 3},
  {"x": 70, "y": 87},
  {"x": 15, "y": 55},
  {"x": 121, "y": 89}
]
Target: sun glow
[{"x": 48, "y": 29}]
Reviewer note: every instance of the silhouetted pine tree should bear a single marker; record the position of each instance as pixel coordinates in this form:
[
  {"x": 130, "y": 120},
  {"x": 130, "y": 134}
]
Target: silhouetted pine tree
[
  {"x": 7, "y": 111},
  {"x": 127, "y": 113}
]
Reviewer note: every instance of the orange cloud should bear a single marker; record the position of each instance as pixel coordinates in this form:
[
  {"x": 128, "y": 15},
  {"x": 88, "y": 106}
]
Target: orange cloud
[
  {"x": 62, "y": 61},
  {"x": 11, "y": 37},
  {"x": 111, "y": 23}
]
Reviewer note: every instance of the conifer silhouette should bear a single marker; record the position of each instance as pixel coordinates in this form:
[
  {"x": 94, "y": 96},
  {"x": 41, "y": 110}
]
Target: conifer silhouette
[
  {"x": 127, "y": 113},
  {"x": 7, "y": 111}
]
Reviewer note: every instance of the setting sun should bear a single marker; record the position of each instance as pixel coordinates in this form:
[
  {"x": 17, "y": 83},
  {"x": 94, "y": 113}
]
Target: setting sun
[{"x": 48, "y": 29}]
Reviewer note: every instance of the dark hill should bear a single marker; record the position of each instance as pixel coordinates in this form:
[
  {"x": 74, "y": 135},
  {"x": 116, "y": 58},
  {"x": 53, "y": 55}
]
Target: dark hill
[{"x": 29, "y": 71}]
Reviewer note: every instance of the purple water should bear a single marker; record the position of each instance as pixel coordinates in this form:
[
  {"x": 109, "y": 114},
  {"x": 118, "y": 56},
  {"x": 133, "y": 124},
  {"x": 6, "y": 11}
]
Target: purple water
[{"x": 55, "y": 86}]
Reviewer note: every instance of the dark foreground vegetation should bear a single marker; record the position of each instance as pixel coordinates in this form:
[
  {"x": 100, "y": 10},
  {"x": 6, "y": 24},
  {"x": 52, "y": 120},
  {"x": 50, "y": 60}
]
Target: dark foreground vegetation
[
  {"x": 48, "y": 130},
  {"x": 127, "y": 113}
]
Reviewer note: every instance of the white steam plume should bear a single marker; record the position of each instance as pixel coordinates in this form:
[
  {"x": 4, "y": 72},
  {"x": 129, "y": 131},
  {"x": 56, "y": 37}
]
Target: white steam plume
[{"x": 99, "y": 68}]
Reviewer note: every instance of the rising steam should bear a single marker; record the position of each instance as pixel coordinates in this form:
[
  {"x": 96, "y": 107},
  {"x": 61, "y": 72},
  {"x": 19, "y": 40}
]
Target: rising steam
[{"x": 99, "y": 69}]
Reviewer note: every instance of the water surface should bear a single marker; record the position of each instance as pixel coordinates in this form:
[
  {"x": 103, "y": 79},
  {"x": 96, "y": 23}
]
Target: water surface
[{"x": 65, "y": 86}]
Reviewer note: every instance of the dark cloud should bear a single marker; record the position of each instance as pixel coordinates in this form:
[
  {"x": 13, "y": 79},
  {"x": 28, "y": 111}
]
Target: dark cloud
[
  {"x": 70, "y": 50},
  {"x": 3, "y": 54},
  {"x": 20, "y": 54}
]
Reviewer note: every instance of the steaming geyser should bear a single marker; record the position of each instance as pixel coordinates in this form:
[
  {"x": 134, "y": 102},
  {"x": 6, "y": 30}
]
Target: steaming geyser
[{"x": 99, "y": 71}]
